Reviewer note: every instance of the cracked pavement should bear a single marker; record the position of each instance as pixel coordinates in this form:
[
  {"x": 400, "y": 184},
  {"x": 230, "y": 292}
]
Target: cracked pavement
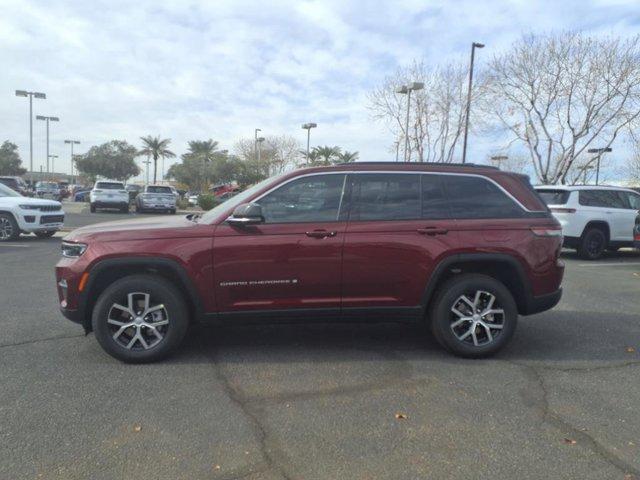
[{"x": 320, "y": 401}]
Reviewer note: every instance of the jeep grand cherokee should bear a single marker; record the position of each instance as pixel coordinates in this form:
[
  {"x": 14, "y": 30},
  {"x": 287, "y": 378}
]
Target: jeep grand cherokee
[{"x": 463, "y": 248}]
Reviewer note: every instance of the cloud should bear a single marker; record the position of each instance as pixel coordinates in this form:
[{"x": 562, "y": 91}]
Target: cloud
[{"x": 196, "y": 70}]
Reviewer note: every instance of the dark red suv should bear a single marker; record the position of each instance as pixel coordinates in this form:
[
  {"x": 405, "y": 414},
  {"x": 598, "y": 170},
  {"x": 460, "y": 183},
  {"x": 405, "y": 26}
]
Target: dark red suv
[{"x": 465, "y": 248}]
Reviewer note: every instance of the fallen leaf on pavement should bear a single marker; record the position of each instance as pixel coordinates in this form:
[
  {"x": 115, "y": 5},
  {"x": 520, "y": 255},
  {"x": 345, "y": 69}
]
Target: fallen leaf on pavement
[
  {"x": 570, "y": 441},
  {"x": 630, "y": 349},
  {"x": 216, "y": 467},
  {"x": 401, "y": 416},
  {"x": 137, "y": 428}
]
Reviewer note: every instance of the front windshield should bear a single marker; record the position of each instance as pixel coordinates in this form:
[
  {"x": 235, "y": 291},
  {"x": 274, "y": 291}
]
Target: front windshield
[
  {"x": 7, "y": 192},
  {"x": 238, "y": 199}
]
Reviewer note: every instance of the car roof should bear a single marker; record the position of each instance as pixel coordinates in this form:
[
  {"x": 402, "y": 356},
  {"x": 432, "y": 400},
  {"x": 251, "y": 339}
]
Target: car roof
[{"x": 572, "y": 188}]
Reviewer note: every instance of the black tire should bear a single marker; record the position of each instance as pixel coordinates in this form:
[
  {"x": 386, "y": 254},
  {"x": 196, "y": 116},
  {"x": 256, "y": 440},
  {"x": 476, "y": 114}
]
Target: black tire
[
  {"x": 8, "y": 227},
  {"x": 124, "y": 209},
  {"x": 92, "y": 208},
  {"x": 593, "y": 244},
  {"x": 442, "y": 317},
  {"x": 172, "y": 211},
  {"x": 47, "y": 234},
  {"x": 163, "y": 294}
]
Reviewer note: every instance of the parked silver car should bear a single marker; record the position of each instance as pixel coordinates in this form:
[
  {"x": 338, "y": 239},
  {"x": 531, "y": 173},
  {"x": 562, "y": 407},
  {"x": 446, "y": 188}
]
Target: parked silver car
[{"x": 157, "y": 198}]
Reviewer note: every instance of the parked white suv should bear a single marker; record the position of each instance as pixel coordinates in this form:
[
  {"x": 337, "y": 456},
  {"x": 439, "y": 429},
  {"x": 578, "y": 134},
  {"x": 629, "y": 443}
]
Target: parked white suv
[
  {"x": 593, "y": 219},
  {"x": 108, "y": 194},
  {"x": 27, "y": 215}
]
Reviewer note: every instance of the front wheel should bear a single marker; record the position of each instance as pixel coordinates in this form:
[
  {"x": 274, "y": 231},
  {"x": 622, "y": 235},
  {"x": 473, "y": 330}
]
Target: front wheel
[
  {"x": 8, "y": 227},
  {"x": 140, "y": 318},
  {"x": 473, "y": 315},
  {"x": 47, "y": 234}
]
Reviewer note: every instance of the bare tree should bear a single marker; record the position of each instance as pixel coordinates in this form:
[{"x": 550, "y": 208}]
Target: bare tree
[
  {"x": 277, "y": 153},
  {"x": 436, "y": 113},
  {"x": 560, "y": 95},
  {"x": 632, "y": 169}
]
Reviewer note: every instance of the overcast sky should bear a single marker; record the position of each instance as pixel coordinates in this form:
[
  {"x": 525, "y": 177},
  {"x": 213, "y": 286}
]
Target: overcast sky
[{"x": 218, "y": 69}]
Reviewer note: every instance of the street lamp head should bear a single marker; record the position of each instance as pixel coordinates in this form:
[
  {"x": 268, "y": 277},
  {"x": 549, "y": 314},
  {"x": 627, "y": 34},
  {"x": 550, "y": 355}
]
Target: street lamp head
[
  {"x": 260, "y": 139},
  {"x": 478, "y": 45},
  {"x": 599, "y": 150},
  {"x": 53, "y": 156},
  {"x": 72, "y": 141},
  {"x": 54, "y": 119},
  {"x": 22, "y": 93},
  {"x": 307, "y": 126},
  {"x": 416, "y": 86},
  {"x": 39, "y": 95},
  {"x": 402, "y": 89},
  {"x": 40, "y": 117}
]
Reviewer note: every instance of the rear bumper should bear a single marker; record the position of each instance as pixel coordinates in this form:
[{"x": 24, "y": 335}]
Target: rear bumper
[
  {"x": 110, "y": 204},
  {"x": 542, "y": 303}
]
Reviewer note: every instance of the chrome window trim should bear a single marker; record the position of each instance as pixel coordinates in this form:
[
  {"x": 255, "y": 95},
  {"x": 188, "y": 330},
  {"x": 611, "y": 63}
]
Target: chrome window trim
[{"x": 397, "y": 172}]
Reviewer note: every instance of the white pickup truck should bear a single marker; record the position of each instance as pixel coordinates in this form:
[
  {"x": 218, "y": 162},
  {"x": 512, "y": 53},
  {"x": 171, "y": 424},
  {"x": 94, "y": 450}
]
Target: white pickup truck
[{"x": 20, "y": 214}]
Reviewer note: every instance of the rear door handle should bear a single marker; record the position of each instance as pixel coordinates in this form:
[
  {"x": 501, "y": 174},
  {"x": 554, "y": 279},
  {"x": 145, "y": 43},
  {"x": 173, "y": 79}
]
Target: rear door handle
[
  {"x": 431, "y": 231},
  {"x": 320, "y": 234}
]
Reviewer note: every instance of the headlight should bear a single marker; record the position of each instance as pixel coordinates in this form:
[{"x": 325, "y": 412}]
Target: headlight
[
  {"x": 73, "y": 250},
  {"x": 29, "y": 207}
]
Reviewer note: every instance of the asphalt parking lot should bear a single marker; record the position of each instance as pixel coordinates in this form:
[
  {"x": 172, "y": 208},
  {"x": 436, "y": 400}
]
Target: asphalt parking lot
[{"x": 323, "y": 401}]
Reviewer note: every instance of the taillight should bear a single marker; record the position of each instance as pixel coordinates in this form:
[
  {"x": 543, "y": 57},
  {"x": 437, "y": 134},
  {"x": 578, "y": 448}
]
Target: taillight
[
  {"x": 547, "y": 231},
  {"x": 563, "y": 210}
]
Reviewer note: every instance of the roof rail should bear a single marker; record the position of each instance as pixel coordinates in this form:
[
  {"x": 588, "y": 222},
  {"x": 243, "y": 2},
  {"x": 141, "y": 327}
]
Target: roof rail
[{"x": 437, "y": 164}]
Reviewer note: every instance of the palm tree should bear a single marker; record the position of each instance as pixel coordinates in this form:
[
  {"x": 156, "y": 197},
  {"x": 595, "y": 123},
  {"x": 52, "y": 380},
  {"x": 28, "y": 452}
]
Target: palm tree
[
  {"x": 348, "y": 157},
  {"x": 206, "y": 150},
  {"x": 156, "y": 148},
  {"x": 325, "y": 155}
]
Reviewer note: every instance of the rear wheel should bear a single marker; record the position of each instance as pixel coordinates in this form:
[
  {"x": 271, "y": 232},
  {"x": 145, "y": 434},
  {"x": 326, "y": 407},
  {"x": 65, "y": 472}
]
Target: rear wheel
[
  {"x": 140, "y": 318},
  {"x": 8, "y": 227},
  {"x": 473, "y": 315},
  {"x": 592, "y": 244},
  {"x": 92, "y": 208}
]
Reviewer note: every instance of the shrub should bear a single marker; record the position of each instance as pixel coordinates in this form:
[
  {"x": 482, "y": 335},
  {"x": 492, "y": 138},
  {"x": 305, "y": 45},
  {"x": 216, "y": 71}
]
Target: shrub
[
  {"x": 182, "y": 204},
  {"x": 207, "y": 202}
]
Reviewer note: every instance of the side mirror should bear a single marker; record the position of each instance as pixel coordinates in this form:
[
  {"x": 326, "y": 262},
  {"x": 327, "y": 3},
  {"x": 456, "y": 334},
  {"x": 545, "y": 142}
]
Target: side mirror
[{"x": 246, "y": 214}]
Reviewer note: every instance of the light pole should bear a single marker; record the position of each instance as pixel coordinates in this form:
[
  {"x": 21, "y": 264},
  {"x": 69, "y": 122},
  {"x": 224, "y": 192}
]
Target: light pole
[
  {"x": 407, "y": 89},
  {"x": 24, "y": 93},
  {"x": 72, "y": 143},
  {"x": 259, "y": 141},
  {"x": 255, "y": 141},
  {"x": 474, "y": 45},
  {"x": 599, "y": 152},
  {"x": 53, "y": 165},
  {"x": 147, "y": 162},
  {"x": 47, "y": 119},
  {"x": 308, "y": 127}
]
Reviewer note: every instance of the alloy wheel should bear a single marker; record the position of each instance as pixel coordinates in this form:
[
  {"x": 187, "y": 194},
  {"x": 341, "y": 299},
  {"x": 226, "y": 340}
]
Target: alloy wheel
[
  {"x": 141, "y": 324},
  {"x": 477, "y": 318},
  {"x": 6, "y": 228}
]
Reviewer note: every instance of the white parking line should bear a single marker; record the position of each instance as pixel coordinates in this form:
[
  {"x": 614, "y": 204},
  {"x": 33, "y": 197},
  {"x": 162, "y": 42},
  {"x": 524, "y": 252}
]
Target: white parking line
[
  {"x": 608, "y": 264},
  {"x": 13, "y": 245}
]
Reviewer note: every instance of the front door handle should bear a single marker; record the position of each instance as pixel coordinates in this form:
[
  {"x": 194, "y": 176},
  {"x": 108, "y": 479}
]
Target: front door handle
[
  {"x": 320, "y": 234},
  {"x": 431, "y": 231}
]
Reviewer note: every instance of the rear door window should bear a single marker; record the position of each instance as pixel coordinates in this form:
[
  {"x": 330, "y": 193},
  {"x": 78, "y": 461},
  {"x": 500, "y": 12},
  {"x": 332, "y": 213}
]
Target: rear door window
[
  {"x": 477, "y": 197},
  {"x": 385, "y": 196},
  {"x": 554, "y": 197}
]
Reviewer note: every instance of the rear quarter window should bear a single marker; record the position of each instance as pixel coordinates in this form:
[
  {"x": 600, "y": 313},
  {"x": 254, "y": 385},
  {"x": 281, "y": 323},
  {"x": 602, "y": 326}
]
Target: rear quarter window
[{"x": 476, "y": 197}]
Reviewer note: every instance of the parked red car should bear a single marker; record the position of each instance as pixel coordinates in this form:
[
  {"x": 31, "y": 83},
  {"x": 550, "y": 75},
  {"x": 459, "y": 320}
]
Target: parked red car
[{"x": 466, "y": 248}]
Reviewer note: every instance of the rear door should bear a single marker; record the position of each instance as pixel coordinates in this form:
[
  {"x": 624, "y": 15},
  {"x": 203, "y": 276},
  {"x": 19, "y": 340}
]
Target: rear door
[
  {"x": 293, "y": 259},
  {"x": 612, "y": 207},
  {"x": 399, "y": 227}
]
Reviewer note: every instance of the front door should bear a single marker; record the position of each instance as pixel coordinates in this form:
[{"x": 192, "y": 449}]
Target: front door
[
  {"x": 399, "y": 227},
  {"x": 293, "y": 259}
]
